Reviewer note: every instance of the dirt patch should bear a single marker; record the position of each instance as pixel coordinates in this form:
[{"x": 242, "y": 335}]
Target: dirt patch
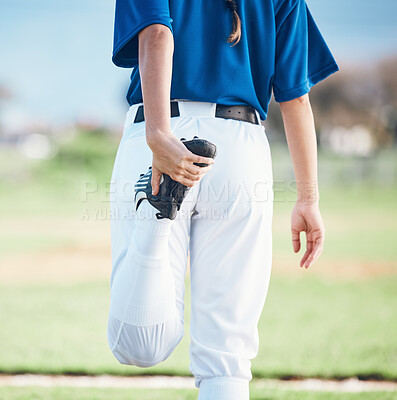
[
  {"x": 178, "y": 382},
  {"x": 73, "y": 264},
  {"x": 66, "y": 265},
  {"x": 83, "y": 255},
  {"x": 340, "y": 269}
]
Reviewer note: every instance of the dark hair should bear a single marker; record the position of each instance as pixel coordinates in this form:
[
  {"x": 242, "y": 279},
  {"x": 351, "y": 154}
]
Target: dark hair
[{"x": 235, "y": 35}]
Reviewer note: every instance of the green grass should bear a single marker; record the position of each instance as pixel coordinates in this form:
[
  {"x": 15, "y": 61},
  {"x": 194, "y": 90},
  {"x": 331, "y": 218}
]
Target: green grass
[
  {"x": 58, "y": 186},
  {"x": 358, "y": 196},
  {"x": 60, "y": 393},
  {"x": 310, "y": 326},
  {"x": 321, "y": 327},
  {"x": 359, "y": 218},
  {"x": 33, "y": 242},
  {"x": 360, "y": 222}
]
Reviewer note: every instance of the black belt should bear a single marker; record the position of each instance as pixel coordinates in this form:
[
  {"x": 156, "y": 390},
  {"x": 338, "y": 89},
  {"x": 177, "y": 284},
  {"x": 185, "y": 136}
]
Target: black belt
[{"x": 240, "y": 113}]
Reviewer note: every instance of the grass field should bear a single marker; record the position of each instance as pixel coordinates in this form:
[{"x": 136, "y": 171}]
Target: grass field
[
  {"x": 32, "y": 393},
  {"x": 335, "y": 320},
  {"x": 310, "y": 327}
]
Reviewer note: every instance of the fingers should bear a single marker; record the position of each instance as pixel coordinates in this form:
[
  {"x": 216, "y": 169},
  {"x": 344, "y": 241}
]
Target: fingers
[
  {"x": 317, "y": 248},
  {"x": 183, "y": 170},
  {"x": 190, "y": 179},
  {"x": 202, "y": 171},
  {"x": 195, "y": 170},
  {"x": 184, "y": 180},
  {"x": 309, "y": 248},
  {"x": 199, "y": 159},
  {"x": 296, "y": 242},
  {"x": 189, "y": 174},
  {"x": 155, "y": 182}
]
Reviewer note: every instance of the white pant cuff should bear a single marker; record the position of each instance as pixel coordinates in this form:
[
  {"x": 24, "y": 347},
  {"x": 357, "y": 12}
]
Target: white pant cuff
[{"x": 224, "y": 388}]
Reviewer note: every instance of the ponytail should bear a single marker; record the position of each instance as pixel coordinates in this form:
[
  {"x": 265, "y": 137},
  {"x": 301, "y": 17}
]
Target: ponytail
[{"x": 235, "y": 35}]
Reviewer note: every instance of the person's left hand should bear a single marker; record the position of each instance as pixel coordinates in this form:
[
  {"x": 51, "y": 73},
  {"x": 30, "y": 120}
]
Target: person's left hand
[{"x": 306, "y": 218}]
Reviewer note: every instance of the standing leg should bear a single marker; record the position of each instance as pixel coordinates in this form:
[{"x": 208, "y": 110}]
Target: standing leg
[{"x": 231, "y": 247}]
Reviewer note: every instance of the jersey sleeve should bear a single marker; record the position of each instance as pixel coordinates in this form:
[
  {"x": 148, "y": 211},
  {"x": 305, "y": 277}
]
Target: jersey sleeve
[
  {"x": 131, "y": 17},
  {"x": 302, "y": 55}
]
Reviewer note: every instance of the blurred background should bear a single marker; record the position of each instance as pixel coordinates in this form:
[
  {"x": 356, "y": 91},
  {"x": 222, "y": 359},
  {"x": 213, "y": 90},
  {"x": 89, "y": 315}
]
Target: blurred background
[{"x": 62, "y": 108}]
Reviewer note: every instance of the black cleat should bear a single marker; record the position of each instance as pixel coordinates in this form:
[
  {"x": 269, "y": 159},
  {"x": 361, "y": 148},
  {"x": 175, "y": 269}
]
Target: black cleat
[{"x": 171, "y": 193}]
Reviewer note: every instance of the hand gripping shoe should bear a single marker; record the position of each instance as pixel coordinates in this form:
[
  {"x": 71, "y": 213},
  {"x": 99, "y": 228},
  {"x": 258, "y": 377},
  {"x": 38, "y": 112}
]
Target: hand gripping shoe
[{"x": 171, "y": 193}]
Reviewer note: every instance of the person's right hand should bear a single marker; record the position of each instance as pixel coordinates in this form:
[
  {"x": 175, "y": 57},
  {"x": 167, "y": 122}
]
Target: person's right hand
[{"x": 171, "y": 157}]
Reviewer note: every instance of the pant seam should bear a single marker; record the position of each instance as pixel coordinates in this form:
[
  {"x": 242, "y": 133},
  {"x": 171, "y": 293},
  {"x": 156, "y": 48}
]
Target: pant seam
[{"x": 118, "y": 336}]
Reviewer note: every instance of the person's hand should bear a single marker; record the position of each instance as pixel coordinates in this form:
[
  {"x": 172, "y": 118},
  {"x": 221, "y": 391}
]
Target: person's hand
[
  {"x": 306, "y": 217},
  {"x": 171, "y": 157}
]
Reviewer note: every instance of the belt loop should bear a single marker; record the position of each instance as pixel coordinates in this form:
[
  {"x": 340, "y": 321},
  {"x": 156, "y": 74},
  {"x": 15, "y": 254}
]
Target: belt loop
[
  {"x": 258, "y": 116},
  {"x": 131, "y": 113},
  {"x": 175, "y": 108},
  {"x": 180, "y": 107},
  {"x": 139, "y": 114},
  {"x": 213, "y": 110}
]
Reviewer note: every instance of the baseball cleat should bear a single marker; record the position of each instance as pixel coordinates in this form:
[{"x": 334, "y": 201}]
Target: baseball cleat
[{"x": 171, "y": 193}]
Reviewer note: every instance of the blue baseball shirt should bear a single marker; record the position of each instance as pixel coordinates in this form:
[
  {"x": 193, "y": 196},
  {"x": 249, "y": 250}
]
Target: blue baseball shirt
[{"x": 281, "y": 49}]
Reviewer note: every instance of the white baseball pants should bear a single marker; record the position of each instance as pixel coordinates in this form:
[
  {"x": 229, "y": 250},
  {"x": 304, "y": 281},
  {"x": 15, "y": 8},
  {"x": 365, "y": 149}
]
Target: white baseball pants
[{"x": 225, "y": 222}]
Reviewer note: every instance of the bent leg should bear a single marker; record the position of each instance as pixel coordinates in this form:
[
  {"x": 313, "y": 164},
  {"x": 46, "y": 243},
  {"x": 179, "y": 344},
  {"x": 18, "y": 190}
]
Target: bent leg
[{"x": 149, "y": 259}]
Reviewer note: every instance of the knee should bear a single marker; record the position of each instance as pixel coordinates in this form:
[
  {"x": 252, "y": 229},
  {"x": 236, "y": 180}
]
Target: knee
[
  {"x": 140, "y": 357},
  {"x": 144, "y": 346}
]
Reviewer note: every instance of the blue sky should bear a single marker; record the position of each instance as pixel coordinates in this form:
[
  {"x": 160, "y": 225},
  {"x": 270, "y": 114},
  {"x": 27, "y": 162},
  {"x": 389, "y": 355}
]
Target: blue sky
[{"x": 56, "y": 55}]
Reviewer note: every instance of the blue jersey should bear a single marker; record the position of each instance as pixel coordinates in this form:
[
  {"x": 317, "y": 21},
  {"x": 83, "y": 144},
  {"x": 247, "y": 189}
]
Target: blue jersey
[{"x": 281, "y": 49}]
